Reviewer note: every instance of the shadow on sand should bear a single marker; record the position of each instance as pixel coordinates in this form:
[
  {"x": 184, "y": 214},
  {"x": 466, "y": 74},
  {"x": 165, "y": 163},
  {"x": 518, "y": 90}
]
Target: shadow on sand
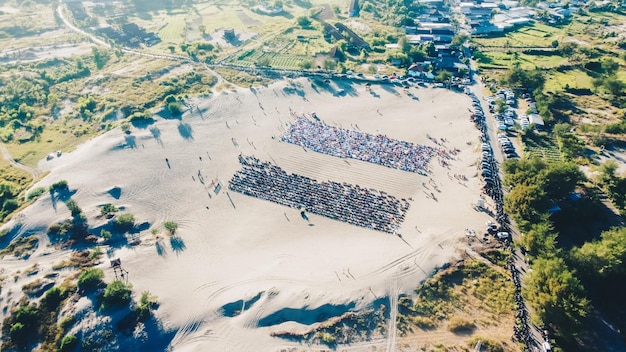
[
  {"x": 185, "y": 131},
  {"x": 390, "y": 88},
  {"x": 235, "y": 308},
  {"x": 115, "y": 192},
  {"x": 160, "y": 248},
  {"x": 142, "y": 123},
  {"x": 305, "y": 316},
  {"x": 178, "y": 245}
]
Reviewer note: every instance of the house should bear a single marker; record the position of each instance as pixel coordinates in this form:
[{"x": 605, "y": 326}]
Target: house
[
  {"x": 335, "y": 54},
  {"x": 268, "y": 9},
  {"x": 451, "y": 64},
  {"x": 418, "y": 69},
  {"x": 537, "y": 121},
  {"x": 433, "y": 4},
  {"x": 353, "y": 39}
]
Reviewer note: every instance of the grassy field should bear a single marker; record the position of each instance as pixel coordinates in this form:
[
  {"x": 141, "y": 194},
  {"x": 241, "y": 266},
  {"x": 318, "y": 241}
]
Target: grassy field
[
  {"x": 471, "y": 294},
  {"x": 573, "y": 78},
  {"x": 501, "y": 59},
  {"x": 174, "y": 30},
  {"x": 64, "y": 137},
  {"x": 536, "y": 35}
]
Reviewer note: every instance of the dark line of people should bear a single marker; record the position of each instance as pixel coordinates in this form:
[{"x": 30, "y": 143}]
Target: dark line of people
[
  {"x": 493, "y": 188},
  {"x": 353, "y": 204}
]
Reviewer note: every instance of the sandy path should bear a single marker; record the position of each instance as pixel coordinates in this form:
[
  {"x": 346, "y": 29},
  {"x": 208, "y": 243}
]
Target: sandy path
[{"x": 256, "y": 248}]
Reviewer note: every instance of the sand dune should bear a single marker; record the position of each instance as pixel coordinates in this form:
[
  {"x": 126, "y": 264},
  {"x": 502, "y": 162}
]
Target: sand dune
[{"x": 256, "y": 258}]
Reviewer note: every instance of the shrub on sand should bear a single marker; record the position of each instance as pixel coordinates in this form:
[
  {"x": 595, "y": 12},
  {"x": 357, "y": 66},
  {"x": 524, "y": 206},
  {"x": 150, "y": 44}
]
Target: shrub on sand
[
  {"x": 90, "y": 279},
  {"x": 125, "y": 222},
  {"x": 171, "y": 226},
  {"x": 459, "y": 325}
]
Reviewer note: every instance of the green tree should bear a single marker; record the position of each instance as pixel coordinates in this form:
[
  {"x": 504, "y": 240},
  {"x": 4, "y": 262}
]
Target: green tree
[
  {"x": 560, "y": 179},
  {"x": 100, "y": 57},
  {"x": 329, "y": 65},
  {"x": 430, "y": 49},
  {"x": 526, "y": 203},
  {"x": 540, "y": 240},
  {"x": 68, "y": 343},
  {"x": 303, "y": 21},
  {"x": 171, "y": 226},
  {"x": 175, "y": 108},
  {"x": 530, "y": 79},
  {"x": 614, "y": 86},
  {"x": 108, "y": 209},
  {"x": 342, "y": 44},
  {"x": 106, "y": 235},
  {"x": 305, "y": 64},
  {"x": 555, "y": 294},
  {"x": 117, "y": 294},
  {"x": 73, "y": 207},
  {"x": 571, "y": 146},
  {"x": 125, "y": 222},
  {"x": 90, "y": 279},
  {"x": 417, "y": 54},
  {"x": 604, "y": 257},
  {"x": 143, "y": 308},
  {"x": 609, "y": 66},
  {"x": 607, "y": 172},
  {"x": 443, "y": 76},
  {"x": 404, "y": 44},
  {"x": 458, "y": 40}
]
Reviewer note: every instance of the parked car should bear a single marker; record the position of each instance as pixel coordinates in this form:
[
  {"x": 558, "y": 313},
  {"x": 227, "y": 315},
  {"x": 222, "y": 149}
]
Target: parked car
[{"x": 503, "y": 235}]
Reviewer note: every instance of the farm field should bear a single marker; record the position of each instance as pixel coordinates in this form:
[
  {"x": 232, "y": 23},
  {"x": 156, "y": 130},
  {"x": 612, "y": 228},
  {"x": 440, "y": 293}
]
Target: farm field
[
  {"x": 174, "y": 29},
  {"x": 272, "y": 59},
  {"x": 542, "y": 147}
]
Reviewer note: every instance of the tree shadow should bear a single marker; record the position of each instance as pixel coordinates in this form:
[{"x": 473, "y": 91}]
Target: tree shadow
[
  {"x": 390, "y": 88},
  {"x": 131, "y": 141},
  {"x": 156, "y": 134},
  {"x": 185, "y": 130},
  {"x": 165, "y": 114},
  {"x": 144, "y": 226},
  {"x": 178, "y": 245},
  {"x": 294, "y": 90},
  {"x": 143, "y": 123},
  {"x": 115, "y": 192},
  {"x": 374, "y": 94},
  {"x": 60, "y": 195},
  {"x": 160, "y": 248},
  {"x": 305, "y": 4},
  {"x": 584, "y": 220},
  {"x": 348, "y": 89}
]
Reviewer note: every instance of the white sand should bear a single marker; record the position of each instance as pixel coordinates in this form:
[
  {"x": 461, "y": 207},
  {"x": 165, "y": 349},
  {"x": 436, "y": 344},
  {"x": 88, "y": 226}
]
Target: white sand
[{"x": 233, "y": 254}]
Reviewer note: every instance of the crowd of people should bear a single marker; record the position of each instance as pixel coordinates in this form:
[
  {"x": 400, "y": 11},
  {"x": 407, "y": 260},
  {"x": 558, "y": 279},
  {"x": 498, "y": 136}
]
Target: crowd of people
[
  {"x": 377, "y": 149},
  {"x": 353, "y": 204}
]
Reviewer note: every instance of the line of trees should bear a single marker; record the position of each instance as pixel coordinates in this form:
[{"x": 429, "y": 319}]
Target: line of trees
[
  {"x": 566, "y": 271},
  {"x": 552, "y": 288}
]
